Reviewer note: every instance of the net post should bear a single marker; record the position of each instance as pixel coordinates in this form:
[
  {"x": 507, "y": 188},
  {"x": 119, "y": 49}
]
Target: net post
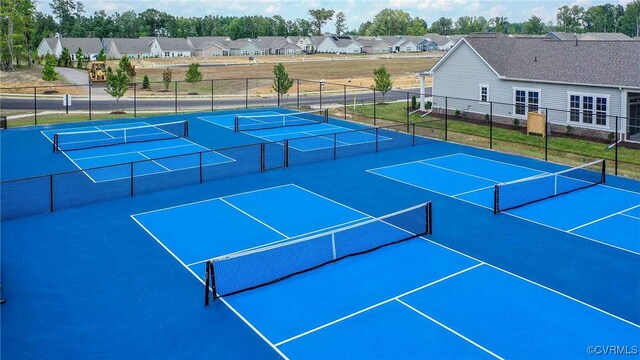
[
  {"x": 235, "y": 124},
  {"x": 286, "y": 153},
  {"x": 55, "y": 142},
  {"x": 262, "y": 156},
  {"x": 207, "y": 283},
  {"x": 377, "y": 139},
  {"x": 51, "y": 193},
  {"x": 200, "y": 153},
  {"x": 335, "y": 146},
  {"x": 131, "y": 176},
  {"x": 413, "y": 134},
  {"x": 496, "y": 199},
  {"x": 186, "y": 128},
  {"x": 617, "y": 140},
  {"x": 603, "y": 175},
  {"x": 429, "y": 210},
  {"x": 325, "y": 114},
  {"x": 490, "y": 124}
]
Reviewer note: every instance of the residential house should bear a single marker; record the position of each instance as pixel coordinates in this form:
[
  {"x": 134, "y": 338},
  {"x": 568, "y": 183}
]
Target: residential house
[
  {"x": 199, "y": 41},
  {"x": 444, "y": 42},
  {"x": 243, "y": 47},
  {"x": 427, "y": 45},
  {"x": 90, "y": 47},
  {"x": 411, "y": 43},
  {"x": 131, "y": 48},
  {"x": 373, "y": 46},
  {"x": 209, "y": 46},
  {"x": 315, "y": 41},
  {"x": 166, "y": 47},
  {"x": 393, "y": 41},
  {"x": 268, "y": 44},
  {"x": 339, "y": 45},
  {"x": 589, "y": 84},
  {"x": 303, "y": 42}
]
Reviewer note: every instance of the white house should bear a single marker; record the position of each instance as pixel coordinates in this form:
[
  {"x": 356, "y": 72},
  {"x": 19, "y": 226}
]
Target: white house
[
  {"x": 303, "y": 42},
  {"x": 200, "y": 41},
  {"x": 165, "y": 47},
  {"x": 90, "y": 47},
  {"x": 243, "y": 47},
  {"x": 131, "y": 48},
  {"x": 444, "y": 42},
  {"x": 339, "y": 45},
  {"x": 587, "y": 85},
  {"x": 411, "y": 43}
]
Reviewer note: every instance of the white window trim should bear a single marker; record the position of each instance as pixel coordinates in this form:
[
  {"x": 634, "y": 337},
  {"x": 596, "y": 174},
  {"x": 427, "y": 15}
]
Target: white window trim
[
  {"x": 480, "y": 86},
  {"x": 526, "y": 101},
  {"x": 580, "y": 123}
]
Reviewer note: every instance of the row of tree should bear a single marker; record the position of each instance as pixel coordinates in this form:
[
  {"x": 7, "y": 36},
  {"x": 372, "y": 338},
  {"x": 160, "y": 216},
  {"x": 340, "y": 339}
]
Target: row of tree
[{"x": 22, "y": 28}]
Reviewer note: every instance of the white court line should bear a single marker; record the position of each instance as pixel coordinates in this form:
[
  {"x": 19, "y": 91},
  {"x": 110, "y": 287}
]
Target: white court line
[
  {"x": 412, "y": 162},
  {"x": 203, "y": 283},
  {"x": 211, "y": 199},
  {"x": 153, "y": 161},
  {"x": 504, "y": 213},
  {"x": 631, "y": 216},
  {"x": 254, "y": 218},
  {"x": 603, "y": 218},
  {"x": 450, "y": 329},
  {"x": 475, "y": 190},
  {"x": 459, "y": 172},
  {"x": 70, "y": 159},
  {"x": 533, "y": 282},
  {"x": 131, "y": 152},
  {"x": 505, "y": 163},
  {"x": 344, "y": 144},
  {"x": 331, "y": 200},
  {"x": 378, "y": 304}
]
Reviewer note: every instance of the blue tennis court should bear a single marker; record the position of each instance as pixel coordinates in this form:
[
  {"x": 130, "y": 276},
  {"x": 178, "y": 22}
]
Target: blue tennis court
[
  {"x": 414, "y": 299},
  {"x": 152, "y": 151},
  {"x": 600, "y": 213}
]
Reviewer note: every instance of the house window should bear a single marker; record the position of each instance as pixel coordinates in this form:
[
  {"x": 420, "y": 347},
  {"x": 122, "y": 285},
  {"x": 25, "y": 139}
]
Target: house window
[
  {"x": 407, "y": 49},
  {"x": 484, "y": 93},
  {"x": 588, "y": 109},
  {"x": 526, "y": 101},
  {"x": 166, "y": 54}
]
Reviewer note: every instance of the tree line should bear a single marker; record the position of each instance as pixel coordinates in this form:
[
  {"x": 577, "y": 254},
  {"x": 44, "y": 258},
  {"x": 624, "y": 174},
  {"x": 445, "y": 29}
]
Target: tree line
[{"x": 22, "y": 28}]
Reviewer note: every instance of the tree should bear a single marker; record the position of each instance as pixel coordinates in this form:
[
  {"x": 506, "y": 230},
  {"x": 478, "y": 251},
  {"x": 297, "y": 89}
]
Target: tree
[
  {"x": 534, "y": 26},
  {"x": 500, "y": 24},
  {"x": 145, "y": 82},
  {"x": 101, "y": 56},
  {"x": 417, "y": 27},
  {"x": 49, "y": 71},
  {"x": 193, "y": 75},
  {"x": 320, "y": 17},
  {"x": 341, "y": 23},
  {"x": 68, "y": 12},
  {"x": 65, "y": 58},
  {"x": 382, "y": 80},
  {"x": 166, "y": 78},
  {"x": 16, "y": 32},
  {"x": 469, "y": 24},
  {"x": 442, "y": 26},
  {"x": 282, "y": 83},
  {"x": 630, "y": 21},
  {"x": 117, "y": 84},
  {"x": 80, "y": 58},
  {"x": 390, "y": 22},
  {"x": 126, "y": 66},
  {"x": 570, "y": 18}
]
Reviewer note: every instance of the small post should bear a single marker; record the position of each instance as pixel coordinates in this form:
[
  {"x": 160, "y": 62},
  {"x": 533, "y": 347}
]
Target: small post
[
  {"x": 407, "y": 110},
  {"x": 246, "y": 93},
  {"x": 496, "y": 199},
  {"x": 286, "y": 153},
  {"x": 320, "y": 94},
  {"x": 546, "y": 134},
  {"x": 446, "y": 118},
  {"x": 211, "y": 94},
  {"x": 35, "y": 106},
  {"x": 132, "y": 176},
  {"x": 51, "y": 193},
  {"x": 200, "y": 167},
  {"x": 262, "y": 157},
  {"x": 90, "y": 90},
  {"x": 207, "y": 283},
  {"x": 66, "y": 103},
  {"x": 491, "y": 125},
  {"x": 135, "y": 100},
  {"x": 377, "y": 139},
  {"x": 413, "y": 134},
  {"x": 374, "y": 107},
  {"x": 175, "y": 96},
  {"x": 278, "y": 89},
  {"x": 298, "y": 93},
  {"x": 345, "y": 102}
]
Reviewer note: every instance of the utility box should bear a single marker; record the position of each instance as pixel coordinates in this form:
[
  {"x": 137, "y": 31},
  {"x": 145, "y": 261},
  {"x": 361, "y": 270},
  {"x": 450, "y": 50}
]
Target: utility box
[{"x": 536, "y": 123}]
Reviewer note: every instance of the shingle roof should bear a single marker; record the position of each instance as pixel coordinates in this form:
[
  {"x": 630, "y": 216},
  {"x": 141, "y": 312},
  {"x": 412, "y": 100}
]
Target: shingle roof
[
  {"x": 414, "y": 39},
  {"x": 88, "y": 45},
  {"x": 391, "y": 40},
  {"x": 343, "y": 43},
  {"x": 199, "y": 41},
  {"x": 266, "y": 42},
  {"x": 132, "y": 46},
  {"x": 173, "y": 44},
  {"x": 316, "y": 40},
  {"x": 372, "y": 42},
  {"x": 437, "y": 38},
  {"x": 51, "y": 42},
  {"x": 559, "y": 35},
  {"x": 609, "y": 63}
]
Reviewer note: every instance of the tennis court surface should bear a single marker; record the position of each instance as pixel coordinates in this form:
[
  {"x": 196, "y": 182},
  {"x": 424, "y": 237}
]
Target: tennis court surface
[{"x": 308, "y": 237}]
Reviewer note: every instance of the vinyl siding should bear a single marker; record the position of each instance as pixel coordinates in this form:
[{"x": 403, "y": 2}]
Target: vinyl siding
[{"x": 461, "y": 74}]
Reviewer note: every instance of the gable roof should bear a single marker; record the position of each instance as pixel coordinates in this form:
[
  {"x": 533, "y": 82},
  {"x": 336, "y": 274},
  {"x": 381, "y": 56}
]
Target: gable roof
[
  {"x": 391, "y": 40},
  {"x": 437, "y": 38},
  {"x": 199, "y": 42},
  {"x": 372, "y": 42},
  {"x": 316, "y": 40},
  {"x": 266, "y": 42},
  {"x": 173, "y": 44},
  {"x": 131, "y": 46},
  {"x": 603, "y": 63},
  {"x": 51, "y": 42},
  {"x": 88, "y": 45}
]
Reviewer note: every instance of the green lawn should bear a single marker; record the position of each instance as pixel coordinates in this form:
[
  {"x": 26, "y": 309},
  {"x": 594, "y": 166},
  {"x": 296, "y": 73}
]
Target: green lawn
[{"x": 570, "y": 151}]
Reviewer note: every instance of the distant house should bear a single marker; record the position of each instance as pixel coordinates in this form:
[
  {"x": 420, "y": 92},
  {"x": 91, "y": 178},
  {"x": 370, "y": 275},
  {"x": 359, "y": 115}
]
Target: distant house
[
  {"x": 131, "y": 48},
  {"x": 427, "y": 45},
  {"x": 590, "y": 84},
  {"x": 373, "y": 46},
  {"x": 199, "y": 41},
  {"x": 208, "y": 46},
  {"x": 339, "y": 45},
  {"x": 411, "y": 43},
  {"x": 243, "y": 47},
  {"x": 444, "y": 42},
  {"x": 268, "y": 44},
  {"x": 303, "y": 42},
  {"x": 568, "y": 36},
  {"x": 393, "y": 41},
  {"x": 315, "y": 42},
  {"x": 90, "y": 47},
  {"x": 165, "y": 47}
]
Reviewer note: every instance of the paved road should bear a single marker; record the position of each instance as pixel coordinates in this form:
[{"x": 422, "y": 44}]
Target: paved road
[{"x": 52, "y": 104}]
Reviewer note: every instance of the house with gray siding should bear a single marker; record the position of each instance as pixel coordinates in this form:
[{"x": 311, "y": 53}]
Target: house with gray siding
[
  {"x": 586, "y": 85},
  {"x": 200, "y": 41},
  {"x": 243, "y": 47},
  {"x": 90, "y": 47},
  {"x": 131, "y": 48},
  {"x": 339, "y": 45},
  {"x": 166, "y": 47},
  {"x": 373, "y": 46},
  {"x": 303, "y": 42},
  {"x": 49, "y": 46},
  {"x": 444, "y": 42}
]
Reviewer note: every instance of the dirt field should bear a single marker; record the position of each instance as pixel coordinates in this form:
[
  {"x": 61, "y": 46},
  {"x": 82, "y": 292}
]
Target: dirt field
[{"x": 14, "y": 82}]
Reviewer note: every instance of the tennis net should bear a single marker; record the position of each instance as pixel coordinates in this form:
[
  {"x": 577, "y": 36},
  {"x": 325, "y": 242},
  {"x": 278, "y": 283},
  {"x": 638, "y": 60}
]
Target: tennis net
[
  {"x": 517, "y": 193},
  {"x": 78, "y": 140},
  {"x": 262, "y": 122},
  {"x": 246, "y": 270}
]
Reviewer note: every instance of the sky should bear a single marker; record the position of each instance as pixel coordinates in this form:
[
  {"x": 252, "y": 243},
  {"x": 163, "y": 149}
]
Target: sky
[{"x": 356, "y": 11}]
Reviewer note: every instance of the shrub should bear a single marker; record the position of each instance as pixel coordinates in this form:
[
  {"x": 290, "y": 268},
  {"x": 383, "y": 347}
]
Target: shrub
[
  {"x": 569, "y": 129},
  {"x": 611, "y": 136},
  {"x": 457, "y": 112},
  {"x": 516, "y": 122},
  {"x": 428, "y": 105},
  {"x": 145, "y": 82},
  {"x": 414, "y": 102},
  {"x": 487, "y": 117}
]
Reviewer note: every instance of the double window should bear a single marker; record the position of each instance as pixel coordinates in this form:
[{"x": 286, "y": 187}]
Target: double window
[
  {"x": 484, "y": 93},
  {"x": 588, "y": 109},
  {"x": 526, "y": 101}
]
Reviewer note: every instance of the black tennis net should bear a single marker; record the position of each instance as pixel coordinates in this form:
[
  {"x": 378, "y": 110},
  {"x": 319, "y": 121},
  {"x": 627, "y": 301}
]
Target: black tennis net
[
  {"x": 246, "y": 270},
  {"x": 517, "y": 193},
  {"x": 78, "y": 140},
  {"x": 262, "y": 122}
]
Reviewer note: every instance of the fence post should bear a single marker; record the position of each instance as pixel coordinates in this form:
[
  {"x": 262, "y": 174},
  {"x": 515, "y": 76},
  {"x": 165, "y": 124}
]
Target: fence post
[
  {"x": 132, "y": 176},
  {"x": 175, "y": 91},
  {"x": 200, "y": 167},
  {"x": 491, "y": 125},
  {"x": 413, "y": 134},
  {"x": 211, "y": 94},
  {"x": 278, "y": 89},
  {"x": 298, "y": 93},
  {"x": 246, "y": 93},
  {"x": 35, "y": 105},
  {"x": 135, "y": 99},
  {"x": 374, "y": 107},
  {"x": 335, "y": 146},
  {"x": 345, "y": 102},
  {"x": 546, "y": 134},
  {"x": 446, "y": 118},
  {"x": 617, "y": 140},
  {"x": 90, "y": 90},
  {"x": 321, "y": 95},
  {"x": 51, "y": 192},
  {"x": 377, "y": 139},
  {"x": 407, "y": 110}
]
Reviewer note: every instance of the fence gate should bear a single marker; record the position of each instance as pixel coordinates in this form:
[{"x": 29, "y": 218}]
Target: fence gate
[{"x": 274, "y": 155}]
